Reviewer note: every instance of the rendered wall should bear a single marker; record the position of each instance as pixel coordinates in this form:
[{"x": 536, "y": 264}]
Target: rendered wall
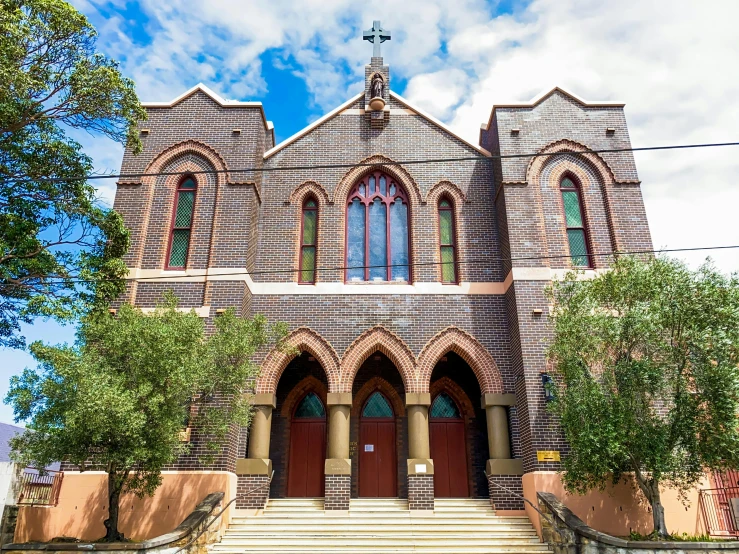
[
  {"x": 83, "y": 506},
  {"x": 619, "y": 509}
]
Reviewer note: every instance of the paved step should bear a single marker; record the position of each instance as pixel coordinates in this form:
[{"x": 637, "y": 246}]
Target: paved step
[{"x": 456, "y": 526}]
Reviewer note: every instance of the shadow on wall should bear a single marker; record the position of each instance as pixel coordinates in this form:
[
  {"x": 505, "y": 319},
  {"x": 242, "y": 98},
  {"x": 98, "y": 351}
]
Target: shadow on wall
[
  {"x": 620, "y": 508},
  {"x": 83, "y": 506}
]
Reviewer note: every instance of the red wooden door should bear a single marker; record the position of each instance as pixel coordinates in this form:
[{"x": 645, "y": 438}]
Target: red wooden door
[
  {"x": 448, "y": 449},
  {"x": 307, "y": 449},
  {"x": 378, "y": 462}
]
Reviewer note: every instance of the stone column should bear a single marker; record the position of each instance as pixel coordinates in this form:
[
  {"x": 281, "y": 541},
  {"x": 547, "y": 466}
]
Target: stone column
[
  {"x": 501, "y": 469},
  {"x": 338, "y": 468},
  {"x": 255, "y": 471},
  {"x": 420, "y": 465}
]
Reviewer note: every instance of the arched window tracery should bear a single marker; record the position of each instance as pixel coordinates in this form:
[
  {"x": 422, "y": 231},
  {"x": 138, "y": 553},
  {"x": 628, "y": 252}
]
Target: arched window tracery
[
  {"x": 377, "y": 230},
  {"x": 308, "y": 241},
  {"x": 575, "y": 223},
  {"x": 181, "y": 227}
]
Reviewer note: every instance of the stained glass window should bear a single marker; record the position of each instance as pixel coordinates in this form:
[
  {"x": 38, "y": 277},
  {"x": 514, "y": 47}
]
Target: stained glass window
[
  {"x": 575, "y": 223},
  {"x": 309, "y": 241},
  {"x": 444, "y": 406},
  {"x": 179, "y": 239},
  {"x": 310, "y": 406},
  {"x": 377, "y": 406},
  {"x": 377, "y": 240},
  {"x": 447, "y": 242}
]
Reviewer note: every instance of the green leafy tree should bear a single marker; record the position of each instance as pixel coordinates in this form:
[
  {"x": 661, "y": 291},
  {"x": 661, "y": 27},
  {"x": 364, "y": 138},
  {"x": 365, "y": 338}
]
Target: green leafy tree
[
  {"x": 60, "y": 252},
  {"x": 645, "y": 362},
  {"x": 117, "y": 399}
]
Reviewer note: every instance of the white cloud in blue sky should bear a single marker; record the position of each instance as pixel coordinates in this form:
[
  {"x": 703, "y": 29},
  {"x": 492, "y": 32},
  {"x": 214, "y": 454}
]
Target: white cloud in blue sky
[{"x": 671, "y": 61}]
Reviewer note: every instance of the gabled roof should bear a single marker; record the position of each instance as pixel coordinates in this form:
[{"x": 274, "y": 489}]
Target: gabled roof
[
  {"x": 336, "y": 111},
  {"x": 543, "y": 96},
  {"x": 200, "y": 87}
]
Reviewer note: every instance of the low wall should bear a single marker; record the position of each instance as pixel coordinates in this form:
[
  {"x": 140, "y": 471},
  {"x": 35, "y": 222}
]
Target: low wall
[
  {"x": 198, "y": 530},
  {"x": 619, "y": 509},
  {"x": 568, "y": 534},
  {"x": 83, "y": 506}
]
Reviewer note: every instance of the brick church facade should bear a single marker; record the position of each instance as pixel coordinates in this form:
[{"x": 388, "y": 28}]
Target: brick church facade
[{"x": 414, "y": 292}]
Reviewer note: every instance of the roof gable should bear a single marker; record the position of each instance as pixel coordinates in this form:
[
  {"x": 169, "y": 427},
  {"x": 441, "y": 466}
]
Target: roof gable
[
  {"x": 347, "y": 106},
  {"x": 540, "y": 98}
]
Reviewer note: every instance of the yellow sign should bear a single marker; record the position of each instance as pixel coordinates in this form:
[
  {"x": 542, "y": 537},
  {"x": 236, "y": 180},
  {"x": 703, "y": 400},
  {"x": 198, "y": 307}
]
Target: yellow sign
[{"x": 547, "y": 455}]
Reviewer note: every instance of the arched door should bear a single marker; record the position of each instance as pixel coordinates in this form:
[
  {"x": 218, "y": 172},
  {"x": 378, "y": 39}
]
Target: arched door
[
  {"x": 448, "y": 448},
  {"x": 378, "y": 463},
  {"x": 307, "y": 448}
]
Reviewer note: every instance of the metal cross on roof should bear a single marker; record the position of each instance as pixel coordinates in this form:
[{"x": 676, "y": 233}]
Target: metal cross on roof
[{"x": 376, "y": 35}]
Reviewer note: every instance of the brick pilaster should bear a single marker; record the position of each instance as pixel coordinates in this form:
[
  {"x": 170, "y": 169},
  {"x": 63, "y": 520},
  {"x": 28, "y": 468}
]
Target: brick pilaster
[
  {"x": 502, "y": 499},
  {"x": 337, "y": 492},
  {"x": 420, "y": 492},
  {"x": 247, "y": 497}
]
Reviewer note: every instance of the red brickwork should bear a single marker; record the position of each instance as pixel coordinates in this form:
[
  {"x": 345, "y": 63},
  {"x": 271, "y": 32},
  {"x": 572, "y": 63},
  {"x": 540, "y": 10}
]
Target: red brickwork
[
  {"x": 337, "y": 493},
  {"x": 455, "y": 340},
  {"x": 420, "y": 492},
  {"x": 252, "y": 491},
  {"x": 510, "y": 498}
]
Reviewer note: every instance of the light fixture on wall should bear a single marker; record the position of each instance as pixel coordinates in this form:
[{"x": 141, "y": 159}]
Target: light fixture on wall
[{"x": 548, "y": 383}]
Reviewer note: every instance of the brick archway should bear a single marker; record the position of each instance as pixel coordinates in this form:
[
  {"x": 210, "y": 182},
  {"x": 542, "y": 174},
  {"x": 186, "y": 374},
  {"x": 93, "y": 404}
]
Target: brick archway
[
  {"x": 453, "y": 339},
  {"x": 378, "y": 163},
  {"x": 449, "y": 386},
  {"x": 380, "y": 339},
  {"x": 378, "y": 384},
  {"x": 308, "y": 384},
  {"x": 303, "y": 339}
]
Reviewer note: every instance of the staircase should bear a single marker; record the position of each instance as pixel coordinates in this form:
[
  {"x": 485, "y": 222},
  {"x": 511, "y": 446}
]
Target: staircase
[{"x": 379, "y": 526}]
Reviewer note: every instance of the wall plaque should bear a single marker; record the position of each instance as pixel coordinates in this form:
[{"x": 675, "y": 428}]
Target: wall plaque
[
  {"x": 369, "y": 447},
  {"x": 547, "y": 455}
]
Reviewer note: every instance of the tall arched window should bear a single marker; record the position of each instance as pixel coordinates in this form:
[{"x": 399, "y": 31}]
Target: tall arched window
[
  {"x": 577, "y": 233},
  {"x": 182, "y": 216},
  {"x": 377, "y": 245},
  {"x": 308, "y": 241},
  {"x": 447, "y": 241}
]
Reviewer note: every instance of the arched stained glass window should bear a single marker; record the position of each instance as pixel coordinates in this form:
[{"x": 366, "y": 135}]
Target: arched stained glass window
[
  {"x": 182, "y": 216},
  {"x": 444, "y": 406},
  {"x": 310, "y": 406},
  {"x": 447, "y": 241},
  {"x": 377, "y": 244},
  {"x": 577, "y": 235},
  {"x": 377, "y": 406},
  {"x": 308, "y": 241}
]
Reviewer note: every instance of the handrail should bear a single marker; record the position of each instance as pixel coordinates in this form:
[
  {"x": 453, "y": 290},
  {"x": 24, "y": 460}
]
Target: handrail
[
  {"x": 509, "y": 491},
  {"x": 234, "y": 499}
]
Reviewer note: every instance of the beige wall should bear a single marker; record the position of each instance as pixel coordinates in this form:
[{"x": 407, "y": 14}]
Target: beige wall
[
  {"x": 619, "y": 509},
  {"x": 83, "y": 507}
]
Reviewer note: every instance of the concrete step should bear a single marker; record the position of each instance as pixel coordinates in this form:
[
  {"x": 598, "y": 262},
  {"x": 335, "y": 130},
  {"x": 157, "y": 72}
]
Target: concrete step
[
  {"x": 444, "y": 549},
  {"x": 382, "y": 531},
  {"x": 394, "y": 526}
]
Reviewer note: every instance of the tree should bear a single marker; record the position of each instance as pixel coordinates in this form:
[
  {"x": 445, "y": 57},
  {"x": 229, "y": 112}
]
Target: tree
[
  {"x": 645, "y": 361},
  {"x": 59, "y": 249},
  {"x": 117, "y": 399}
]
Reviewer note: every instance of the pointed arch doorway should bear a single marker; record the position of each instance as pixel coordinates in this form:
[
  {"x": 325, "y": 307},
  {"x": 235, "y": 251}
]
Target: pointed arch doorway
[
  {"x": 307, "y": 448},
  {"x": 448, "y": 448},
  {"x": 377, "y": 454}
]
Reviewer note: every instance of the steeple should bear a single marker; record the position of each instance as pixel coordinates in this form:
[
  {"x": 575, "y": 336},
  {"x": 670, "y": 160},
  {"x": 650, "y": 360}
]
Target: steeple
[{"x": 377, "y": 78}]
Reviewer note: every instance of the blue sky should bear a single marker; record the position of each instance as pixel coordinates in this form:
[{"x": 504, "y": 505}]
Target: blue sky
[{"x": 670, "y": 61}]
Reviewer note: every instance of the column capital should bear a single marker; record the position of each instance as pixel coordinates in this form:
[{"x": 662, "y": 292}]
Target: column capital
[
  {"x": 339, "y": 399},
  {"x": 264, "y": 399},
  {"x": 504, "y": 467},
  {"x": 498, "y": 400},
  {"x": 420, "y": 466},
  {"x": 418, "y": 399},
  {"x": 337, "y": 466},
  {"x": 253, "y": 466}
]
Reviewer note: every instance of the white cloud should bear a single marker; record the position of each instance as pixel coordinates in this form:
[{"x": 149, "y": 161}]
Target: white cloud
[{"x": 672, "y": 62}]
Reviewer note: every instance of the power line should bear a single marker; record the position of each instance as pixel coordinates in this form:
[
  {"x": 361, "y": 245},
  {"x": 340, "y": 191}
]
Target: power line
[
  {"x": 419, "y": 264},
  {"x": 26, "y": 179}
]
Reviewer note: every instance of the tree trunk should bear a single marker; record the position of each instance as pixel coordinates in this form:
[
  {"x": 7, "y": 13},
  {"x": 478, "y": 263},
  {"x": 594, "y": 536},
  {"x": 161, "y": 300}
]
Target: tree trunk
[
  {"x": 115, "y": 485},
  {"x": 658, "y": 511},
  {"x": 650, "y": 488}
]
